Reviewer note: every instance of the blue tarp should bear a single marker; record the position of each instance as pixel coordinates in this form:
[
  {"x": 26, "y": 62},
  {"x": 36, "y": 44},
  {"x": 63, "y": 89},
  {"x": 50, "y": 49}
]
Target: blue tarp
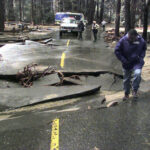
[{"x": 60, "y": 16}]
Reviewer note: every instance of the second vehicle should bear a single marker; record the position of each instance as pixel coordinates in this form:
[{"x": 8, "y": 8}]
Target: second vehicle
[{"x": 69, "y": 25}]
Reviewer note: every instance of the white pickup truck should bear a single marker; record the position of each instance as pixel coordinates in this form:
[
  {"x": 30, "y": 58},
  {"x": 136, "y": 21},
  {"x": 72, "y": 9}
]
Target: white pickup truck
[{"x": 68, "y": 25}]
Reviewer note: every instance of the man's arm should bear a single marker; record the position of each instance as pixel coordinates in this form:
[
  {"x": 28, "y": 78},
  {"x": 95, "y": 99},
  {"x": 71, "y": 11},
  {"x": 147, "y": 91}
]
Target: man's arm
[{"x": 118, "y": 52}]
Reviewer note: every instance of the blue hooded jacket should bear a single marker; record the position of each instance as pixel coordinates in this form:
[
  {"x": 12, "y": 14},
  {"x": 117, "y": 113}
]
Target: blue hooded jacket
[{"x": 131, "y": 54}]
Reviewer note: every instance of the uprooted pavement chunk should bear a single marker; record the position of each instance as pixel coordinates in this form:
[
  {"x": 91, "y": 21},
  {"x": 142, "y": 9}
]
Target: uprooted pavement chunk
[
  {"x": 31, "y": 73},
  {"x": 114, "y": 103},
  {"x": 47, "y": 41},
  {"x": 71, "y": 80}
]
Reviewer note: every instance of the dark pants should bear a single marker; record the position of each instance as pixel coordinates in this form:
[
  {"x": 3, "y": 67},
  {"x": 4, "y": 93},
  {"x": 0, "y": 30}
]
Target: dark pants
[
  {"x": 95, "y": 31},
  {"x": 80, "y": 35},
  {"x": 103, "y": 27}
]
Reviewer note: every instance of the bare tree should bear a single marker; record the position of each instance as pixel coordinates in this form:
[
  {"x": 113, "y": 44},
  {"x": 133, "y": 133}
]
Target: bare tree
[
  {"x": 33, "y": 11},
  {"x": 102, "y": 11},
  {"x": 117, "y": 22},
  {"x": 146, "y": 15},
  {"x": 133, "y": 13},
  {"x": 91, "y": 11},
  {"x": 97, "y": 12},
  {"x": 41, "y": 8},
  {"x": 2, "y": 15},
  {"x": 11, "y": 15},
  {"x": 20, "y": 10},
  {"x": 127, "y": 16}
]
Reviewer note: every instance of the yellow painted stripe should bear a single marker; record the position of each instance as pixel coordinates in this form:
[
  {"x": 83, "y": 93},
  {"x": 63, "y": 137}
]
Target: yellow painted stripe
[
  {"x": 68, "y": 42},
  {"x": 62, "y": 60},
  {"x": 55, "y": 135},
  {"x": 64, "y": 56}
]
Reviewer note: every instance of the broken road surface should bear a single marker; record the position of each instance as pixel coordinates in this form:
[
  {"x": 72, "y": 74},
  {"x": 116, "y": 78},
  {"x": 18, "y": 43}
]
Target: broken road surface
[{"x": 91, "y": 72}]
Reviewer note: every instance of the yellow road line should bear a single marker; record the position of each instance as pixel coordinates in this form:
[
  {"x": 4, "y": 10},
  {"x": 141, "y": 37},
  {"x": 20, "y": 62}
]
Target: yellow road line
[
  {"x": 62, "y": 60},
  {"x": 68, "y": 42},
  {"x": 55, "y": 135},
  {"x": 64, "y": 56}
]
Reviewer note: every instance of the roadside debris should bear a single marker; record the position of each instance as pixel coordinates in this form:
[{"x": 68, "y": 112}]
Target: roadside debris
[
  {"x": 95, "y": 148},
  {"x": 71, "y": 80},
  {"x": 30, "y": 74},
  {"x": 89, "y": 107},
  {"x": 110, "y": 36},
  {"x": 47, "y": 41},
  {"x": 103, "y": 101},
  {"x": 114, "y": 103}
]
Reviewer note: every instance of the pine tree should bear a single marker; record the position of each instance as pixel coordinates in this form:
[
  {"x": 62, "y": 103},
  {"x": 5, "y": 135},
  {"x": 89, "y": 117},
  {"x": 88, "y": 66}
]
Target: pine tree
[
  {"x": 117, "y": 23},
  {"x": 127, "y": 16},
  {"x": 102, "y": 11},
  {"x": 91, "y": 11},
  {"x": 146, "y": 16},
  {"x": 11, "y": 15},
  {"x": 133, "y": 13}
]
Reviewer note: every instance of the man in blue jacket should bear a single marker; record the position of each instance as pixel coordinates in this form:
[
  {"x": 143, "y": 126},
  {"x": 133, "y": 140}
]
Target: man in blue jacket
[{"x": 130, "y": 50}]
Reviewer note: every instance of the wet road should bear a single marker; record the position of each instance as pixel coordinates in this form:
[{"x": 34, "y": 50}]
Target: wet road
[
  {"x": 70, "y": 55},
  {"x": 82, "y": 124},
  {"x": 74, "y": 54}
]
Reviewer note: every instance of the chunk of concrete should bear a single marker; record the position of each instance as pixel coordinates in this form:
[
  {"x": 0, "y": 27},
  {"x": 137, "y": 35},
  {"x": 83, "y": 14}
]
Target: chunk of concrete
[
  {"x": 46, "y": 41},
  {"x": 46, "y": 80},
  {"x": 19, "y": 97}
]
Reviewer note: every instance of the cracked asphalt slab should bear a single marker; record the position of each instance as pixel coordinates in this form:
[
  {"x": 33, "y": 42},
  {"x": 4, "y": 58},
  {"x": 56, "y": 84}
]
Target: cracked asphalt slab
[
  {"x": 20, "y": 97},
  {"x": 80, "y": 56},
  {"x": 84, "y": 123}
]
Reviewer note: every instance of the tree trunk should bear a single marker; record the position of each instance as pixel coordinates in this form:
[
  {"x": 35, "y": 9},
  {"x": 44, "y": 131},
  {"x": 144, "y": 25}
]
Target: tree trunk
[
  {"x": 2, "y": 15},
  {"x": 11, "y": 15},
  {"x": 146, "y": 16},
  {"x": 102, "y": 11},
  {"x": 91, "y": 11},
  {"x": 79, "y": 5},
  {"x": 20, "y": 10},
  {"x": 133, "y": 13},
  {"x": 32, "y": 11},
  {"x": 23, "y": 9},
  {"x": 97, "y": 13},
  {"x": 110, "y": 16},
  {"x": 127, "y": 16},
  {"x": 117, "y": 23},
  {"x": 41, "y": 12},
  {"x": 61, "y": 5}
]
